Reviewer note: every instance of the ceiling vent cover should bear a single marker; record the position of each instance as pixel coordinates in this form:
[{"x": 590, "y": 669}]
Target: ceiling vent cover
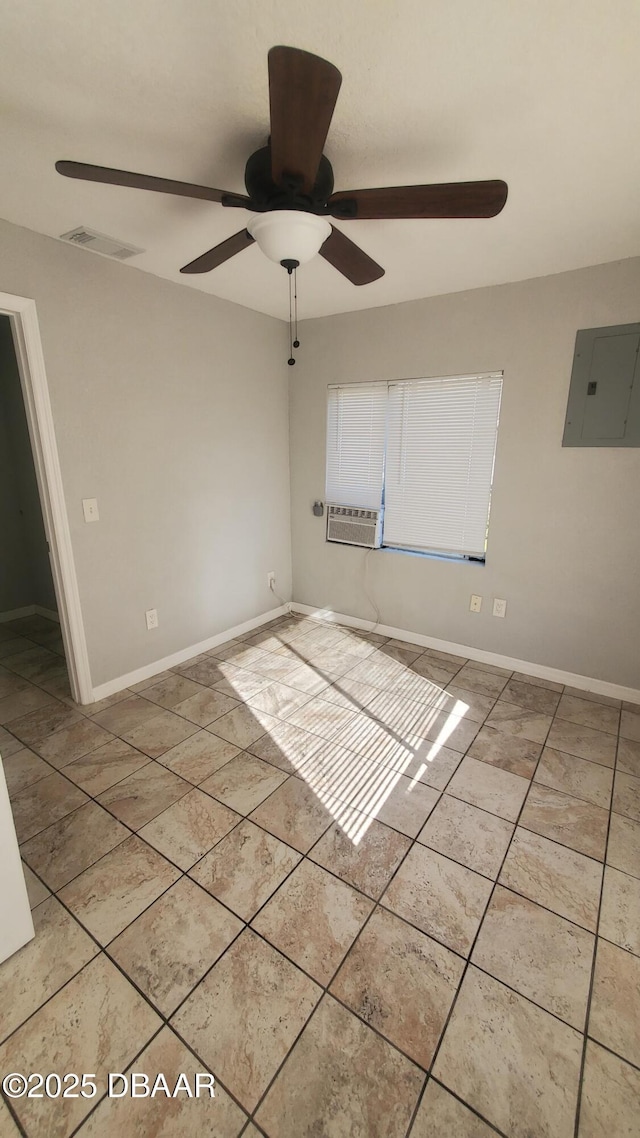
[{"x": 99, "y": 243}]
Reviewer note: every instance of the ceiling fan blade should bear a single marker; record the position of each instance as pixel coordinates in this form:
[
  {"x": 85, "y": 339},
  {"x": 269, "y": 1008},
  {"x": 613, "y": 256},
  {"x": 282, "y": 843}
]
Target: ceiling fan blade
[
  {"x": 303, "y": 90},
  {"x": 220, "y": 253},
  {"x": 112, "y": 177},
  {"x": 349, "y": 259},
  {"x": 451, "y": 199}
]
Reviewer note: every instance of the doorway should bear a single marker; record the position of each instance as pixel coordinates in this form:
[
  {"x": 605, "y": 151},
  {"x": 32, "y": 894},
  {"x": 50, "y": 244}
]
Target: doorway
[
  {"x": 30, "y": 639},
  {"x": 53, "y": 612},
  {"x": 43, "y": 655}
]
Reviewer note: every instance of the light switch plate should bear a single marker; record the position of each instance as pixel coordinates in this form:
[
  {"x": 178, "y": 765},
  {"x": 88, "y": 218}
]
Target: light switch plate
[{"x": 90, "y": 509}]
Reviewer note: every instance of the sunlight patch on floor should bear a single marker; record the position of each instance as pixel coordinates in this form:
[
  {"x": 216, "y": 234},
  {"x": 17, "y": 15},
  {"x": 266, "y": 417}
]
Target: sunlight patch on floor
[{"x": 355, "y": 774}]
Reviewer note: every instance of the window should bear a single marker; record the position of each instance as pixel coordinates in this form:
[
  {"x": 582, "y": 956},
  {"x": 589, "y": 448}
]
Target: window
[
  {"x": 422, "y": 449},
  {"x": 356, "y": 429}
]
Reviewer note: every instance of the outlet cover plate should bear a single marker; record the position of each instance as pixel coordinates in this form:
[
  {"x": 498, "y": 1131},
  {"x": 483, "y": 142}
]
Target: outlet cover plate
[{"x": 90, "y": 509}]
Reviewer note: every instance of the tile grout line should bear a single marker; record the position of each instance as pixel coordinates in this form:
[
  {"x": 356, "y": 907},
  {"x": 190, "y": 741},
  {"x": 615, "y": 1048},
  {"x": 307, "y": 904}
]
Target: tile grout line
[
  {"x": 481, "y": 922},
  {"x": 104, "y": 1097},
  {"x": 583, "y": 1058}
]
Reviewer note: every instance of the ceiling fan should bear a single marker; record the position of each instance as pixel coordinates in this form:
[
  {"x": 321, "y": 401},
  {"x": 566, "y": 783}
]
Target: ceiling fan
[{"x": 289, "y": 182}]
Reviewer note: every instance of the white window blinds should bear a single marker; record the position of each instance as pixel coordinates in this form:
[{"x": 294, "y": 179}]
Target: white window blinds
[
  {"x": 441, "y": 439},
  {"x": 356, "y": 424}
]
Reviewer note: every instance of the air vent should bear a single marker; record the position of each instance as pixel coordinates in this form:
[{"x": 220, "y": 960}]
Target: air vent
[{"x": 99, "y": 243}]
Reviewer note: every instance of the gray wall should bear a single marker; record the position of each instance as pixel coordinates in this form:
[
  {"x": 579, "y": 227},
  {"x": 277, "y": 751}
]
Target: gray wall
[
  {"x": 170, "y": 408},
  {"x": 564, "y": 540},
  {"x": 25, "y": 572}
]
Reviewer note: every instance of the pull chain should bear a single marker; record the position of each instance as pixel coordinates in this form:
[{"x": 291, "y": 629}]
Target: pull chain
[
  {"x": 291, "y": 265},
  {"x": 296, "y": 342},
  {"x": 291, "y": 360}
]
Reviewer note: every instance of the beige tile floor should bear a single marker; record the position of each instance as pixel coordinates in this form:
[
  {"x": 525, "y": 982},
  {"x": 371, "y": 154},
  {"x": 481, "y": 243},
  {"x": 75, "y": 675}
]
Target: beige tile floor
[{"x": 379, "y": 892}]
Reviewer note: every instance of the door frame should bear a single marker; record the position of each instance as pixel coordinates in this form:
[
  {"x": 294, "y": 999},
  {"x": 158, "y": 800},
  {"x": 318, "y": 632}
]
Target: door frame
[{"x": 35, "y": 391}]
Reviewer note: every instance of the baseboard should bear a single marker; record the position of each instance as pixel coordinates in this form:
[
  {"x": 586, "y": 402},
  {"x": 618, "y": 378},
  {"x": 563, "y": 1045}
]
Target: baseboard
[
  {"x": 17, "y": 614},
  {"x": 48, "y": 613},
  {"x": 149, "y": 670},
  {"x": 540, "y": 671},
  {"x": 29, "y": 610}
]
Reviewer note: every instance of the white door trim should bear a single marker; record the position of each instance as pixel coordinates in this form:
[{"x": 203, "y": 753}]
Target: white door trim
[{"x": 35, "y": 390}]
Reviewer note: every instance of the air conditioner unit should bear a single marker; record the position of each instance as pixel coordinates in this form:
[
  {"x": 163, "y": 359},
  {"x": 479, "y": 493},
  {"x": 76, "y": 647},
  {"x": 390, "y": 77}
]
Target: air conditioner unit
[{"x": 350, "y": 525}]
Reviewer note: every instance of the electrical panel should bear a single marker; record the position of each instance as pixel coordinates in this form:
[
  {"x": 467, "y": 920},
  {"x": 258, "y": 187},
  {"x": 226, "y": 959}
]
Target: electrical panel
[{"x": 604, "y": 397}]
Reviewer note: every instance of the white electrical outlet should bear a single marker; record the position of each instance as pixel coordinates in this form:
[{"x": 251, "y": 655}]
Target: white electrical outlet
[
  {"x": 475, "y": 603},
  {"x": 151, "y": 617},
  {"x": 499, "y": 607},
  {"x": 271, "y": 579},
  {"x": 90, "y": 509}
]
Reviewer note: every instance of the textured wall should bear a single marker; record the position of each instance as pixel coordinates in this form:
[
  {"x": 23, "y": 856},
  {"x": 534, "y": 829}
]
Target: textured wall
[
  {"x": 564, "y": 539},
  {"x": 170, "y": 407}
]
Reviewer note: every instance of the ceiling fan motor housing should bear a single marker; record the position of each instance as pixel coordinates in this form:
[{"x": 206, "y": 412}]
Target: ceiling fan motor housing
[{"x": 266, "y": 195}]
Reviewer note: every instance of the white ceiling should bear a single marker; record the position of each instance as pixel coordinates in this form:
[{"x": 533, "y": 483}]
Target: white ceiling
[{"x": 544, "y": 94}]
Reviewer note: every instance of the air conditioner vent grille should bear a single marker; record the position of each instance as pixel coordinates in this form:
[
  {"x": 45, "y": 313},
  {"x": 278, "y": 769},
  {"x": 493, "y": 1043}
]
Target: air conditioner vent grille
[
  {"x": 100, "y": 243},
  {"x": 349, "y": 525},
  {"x": 353, "y": 512}
]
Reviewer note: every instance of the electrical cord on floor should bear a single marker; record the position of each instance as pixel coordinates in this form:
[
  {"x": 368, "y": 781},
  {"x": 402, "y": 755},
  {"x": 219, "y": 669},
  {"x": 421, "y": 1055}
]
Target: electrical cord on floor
[
  {"x": 365, "y": 586},
  {"x": 287, "y": 604},
  {"x": 367, "y": 594}
]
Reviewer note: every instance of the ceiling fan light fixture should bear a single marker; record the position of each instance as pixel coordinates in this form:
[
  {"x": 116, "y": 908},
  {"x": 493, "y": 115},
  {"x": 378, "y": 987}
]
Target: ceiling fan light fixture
[{"x": 289, "y": 234}]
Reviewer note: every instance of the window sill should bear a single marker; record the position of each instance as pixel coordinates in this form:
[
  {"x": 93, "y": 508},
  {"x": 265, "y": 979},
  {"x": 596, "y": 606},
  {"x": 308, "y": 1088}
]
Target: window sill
[{"x": 456, "y": 558}]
